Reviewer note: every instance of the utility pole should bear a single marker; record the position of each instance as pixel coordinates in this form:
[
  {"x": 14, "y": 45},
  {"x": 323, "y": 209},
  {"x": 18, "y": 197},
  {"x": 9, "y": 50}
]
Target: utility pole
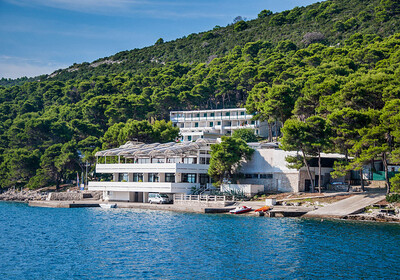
[{"x": 86, "y": 182}]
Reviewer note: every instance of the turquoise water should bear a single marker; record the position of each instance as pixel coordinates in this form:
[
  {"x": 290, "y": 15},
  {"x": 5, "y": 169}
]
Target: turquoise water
[{"x": 95, "y": 243}]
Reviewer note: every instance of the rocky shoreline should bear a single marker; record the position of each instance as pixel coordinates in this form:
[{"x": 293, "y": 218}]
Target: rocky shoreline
[{"x": 22, "y": 196}]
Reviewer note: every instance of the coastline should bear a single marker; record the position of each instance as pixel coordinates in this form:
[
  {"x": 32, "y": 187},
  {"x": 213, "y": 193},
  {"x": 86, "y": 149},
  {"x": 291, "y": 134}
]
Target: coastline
[{"x": 294, "y": 206}]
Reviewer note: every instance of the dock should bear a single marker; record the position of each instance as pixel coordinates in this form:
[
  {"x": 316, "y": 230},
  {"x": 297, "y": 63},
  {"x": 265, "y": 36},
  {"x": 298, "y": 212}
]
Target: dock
[
  {"x": 349, "y": 206},
  {"x": 63, "y": 204},
  {"x": 130, "y": 205},
  {"x": 292, "y": 211}
]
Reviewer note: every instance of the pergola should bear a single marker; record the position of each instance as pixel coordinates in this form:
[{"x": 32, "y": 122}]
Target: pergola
[{"x": 136, "y": 150}]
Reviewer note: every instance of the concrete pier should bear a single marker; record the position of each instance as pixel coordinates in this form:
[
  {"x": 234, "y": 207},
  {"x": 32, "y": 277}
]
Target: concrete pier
[
  {"x": 63, "y": 204},
  {"x": 352, "y": 205}
]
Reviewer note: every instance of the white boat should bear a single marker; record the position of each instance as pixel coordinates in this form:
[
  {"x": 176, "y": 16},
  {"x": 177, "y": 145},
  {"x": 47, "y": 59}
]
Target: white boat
[{"x": 108, "y": 205}]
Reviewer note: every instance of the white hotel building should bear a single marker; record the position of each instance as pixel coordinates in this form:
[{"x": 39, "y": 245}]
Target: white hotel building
[
  {"x": 215, "y": 123},
  {"x": 139, "y": 169}
]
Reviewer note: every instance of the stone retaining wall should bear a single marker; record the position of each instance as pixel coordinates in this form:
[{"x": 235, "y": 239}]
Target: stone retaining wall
[
  {"x": 195, "y": 203},
  {"x": 65, "y": 196}
]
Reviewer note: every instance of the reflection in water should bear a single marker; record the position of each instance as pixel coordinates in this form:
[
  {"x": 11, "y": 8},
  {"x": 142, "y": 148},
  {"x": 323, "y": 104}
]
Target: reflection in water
[{"x": 95, "y": 243}]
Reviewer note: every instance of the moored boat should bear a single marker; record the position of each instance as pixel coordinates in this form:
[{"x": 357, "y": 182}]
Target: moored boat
[
  {"x": 240, "y": 210},
  {"x": 263, "y": 209},
  {"x": 108, "y": 205}
]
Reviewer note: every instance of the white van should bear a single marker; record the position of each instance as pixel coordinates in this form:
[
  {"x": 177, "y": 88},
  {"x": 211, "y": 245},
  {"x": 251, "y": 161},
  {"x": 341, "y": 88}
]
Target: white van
[{"x": 158, "y": 198}]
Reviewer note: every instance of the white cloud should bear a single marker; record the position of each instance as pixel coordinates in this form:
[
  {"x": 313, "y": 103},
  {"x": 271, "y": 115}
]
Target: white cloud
[
  {"x": 16, "y": 67},
  {"x": 149, "y": 8}
]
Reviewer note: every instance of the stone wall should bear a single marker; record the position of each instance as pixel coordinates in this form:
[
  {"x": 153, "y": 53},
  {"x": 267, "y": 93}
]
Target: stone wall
[
  {"x": 195, "y": 203},
  {"x": 12, "y": 195},
  {"x": 64, "y": 196}
]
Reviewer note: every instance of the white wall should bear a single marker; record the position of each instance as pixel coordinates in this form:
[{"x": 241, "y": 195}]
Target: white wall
[{"x": 124, "y": 196}]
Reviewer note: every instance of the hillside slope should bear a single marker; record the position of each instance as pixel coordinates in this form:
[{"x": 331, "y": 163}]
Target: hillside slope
[
  {"x": 330, "y": 22},
  {"x": 49, "y": 127}
]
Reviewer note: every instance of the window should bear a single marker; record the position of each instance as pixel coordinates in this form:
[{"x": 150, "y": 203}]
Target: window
[
  {"x": 198, "y": 115},
  {"x": 204, "y": 160},
  {"x": 158, "y": 160},
  {"x": 205, "y": 115},
  {"x": 227, "y": 114},
  {"x": 174, "y": 160},
  {"x": 266, "y": 176},
  {"x": 143, "y": 160},
  {"x": 170, "y": 177},
  {"x": 123, "y": 177},
  {"x": 189, "y": 138},
  {"x": 190, "y": 160},
  {"x": 153, "y": 177},
  {"x": 218, "y": 123},
  {"x": 196, "y": 124},
  {"x": 242, "y": 113},
  {"x": 212, "y": 114},
  {"x": 253, "y": 122},
  {"x": 204, "y": 179},
  {"x": 137, "y": 177},
  {"x": 211, "y": 124},
  {"x": 189, "y": 178},
  {"x": 251, "y": 176}
]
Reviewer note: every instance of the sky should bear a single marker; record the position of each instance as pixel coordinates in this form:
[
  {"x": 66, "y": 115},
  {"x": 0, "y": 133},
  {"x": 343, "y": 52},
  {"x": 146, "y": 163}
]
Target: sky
[{"x": 40, "y": 36}]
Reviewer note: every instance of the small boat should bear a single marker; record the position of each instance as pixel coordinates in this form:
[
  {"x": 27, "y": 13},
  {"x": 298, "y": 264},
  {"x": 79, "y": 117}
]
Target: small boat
[
  {"x": 240, "y": 210},
  {"x": 108, "y": 205},
  {"x": 263, "y": 209}
]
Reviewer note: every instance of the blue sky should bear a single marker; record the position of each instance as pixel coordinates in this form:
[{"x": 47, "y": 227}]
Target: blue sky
[{"x": 40, "y": 36}]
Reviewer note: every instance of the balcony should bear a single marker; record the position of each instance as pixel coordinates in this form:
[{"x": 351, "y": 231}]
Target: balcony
[
  {"x": 151, "y": 167},
  {"x": 175, "y": 119},
  {"x": 161, "y": 187}
]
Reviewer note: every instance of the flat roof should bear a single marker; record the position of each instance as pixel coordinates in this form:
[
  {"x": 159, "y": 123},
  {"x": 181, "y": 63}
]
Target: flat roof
[{"x": 210, "y": 110}]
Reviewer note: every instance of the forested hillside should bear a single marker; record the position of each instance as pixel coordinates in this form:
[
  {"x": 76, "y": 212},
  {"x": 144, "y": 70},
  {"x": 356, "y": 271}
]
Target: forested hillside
[
  {"x": 329, "y": 22},
  {"x": 48, "y": 128}
]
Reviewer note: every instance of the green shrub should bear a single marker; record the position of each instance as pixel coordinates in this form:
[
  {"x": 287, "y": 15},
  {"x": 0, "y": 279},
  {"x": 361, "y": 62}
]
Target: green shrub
[
  {"x": 391, "y": 198},
  {"x": 240, "y": 26},
  {"x": 208, "y": 36}
]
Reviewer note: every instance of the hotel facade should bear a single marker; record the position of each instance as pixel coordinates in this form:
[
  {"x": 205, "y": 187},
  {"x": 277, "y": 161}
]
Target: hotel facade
[
  {"x": 213, "y": 124},
  {"x": 138, "y": 169}
]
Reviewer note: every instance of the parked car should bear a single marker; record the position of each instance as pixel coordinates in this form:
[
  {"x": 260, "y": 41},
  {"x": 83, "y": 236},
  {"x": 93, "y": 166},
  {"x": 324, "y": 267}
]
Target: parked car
[{"x": 159, "y": 198}]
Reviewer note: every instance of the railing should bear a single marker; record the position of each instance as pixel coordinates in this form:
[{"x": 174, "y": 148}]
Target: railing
[{"x": 203, "y": 198}]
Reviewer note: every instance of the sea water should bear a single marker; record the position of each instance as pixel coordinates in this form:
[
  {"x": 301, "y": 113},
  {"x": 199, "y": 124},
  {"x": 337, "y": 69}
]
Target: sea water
[{"x": 96, "y": 243}]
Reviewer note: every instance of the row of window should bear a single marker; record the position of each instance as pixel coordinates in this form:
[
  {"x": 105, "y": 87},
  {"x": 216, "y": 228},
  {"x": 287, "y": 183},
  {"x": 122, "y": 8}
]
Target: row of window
[
  {"x": 169, "y": 177},
  {"x": 258, "y": 176},
  {"x": 205, "y": 115},
  {"x": 211, "y": 124},
  {"x": 168, "y": 160}
]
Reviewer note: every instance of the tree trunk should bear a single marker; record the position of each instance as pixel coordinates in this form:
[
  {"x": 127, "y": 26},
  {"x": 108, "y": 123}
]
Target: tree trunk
[
  {"x": 269, "y": 132},
  {"x": 308, "y": 170},
  {"x": 58, "y": 180},
  {"x": 319, "y": 171},
  {"x": 361, "y": 179},
  {"x": 276, "y": 130},
  {"x": 384, "y": 160}
]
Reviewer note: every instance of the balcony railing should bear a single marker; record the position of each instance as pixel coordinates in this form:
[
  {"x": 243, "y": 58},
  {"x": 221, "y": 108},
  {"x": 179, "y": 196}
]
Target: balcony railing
[
  {"x": 162, "y": 187},
  {"x": 151, "y": 167}
]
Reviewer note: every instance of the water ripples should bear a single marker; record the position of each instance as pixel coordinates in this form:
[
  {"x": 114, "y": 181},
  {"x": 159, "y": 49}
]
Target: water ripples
[{"x": 95, "y": 243}]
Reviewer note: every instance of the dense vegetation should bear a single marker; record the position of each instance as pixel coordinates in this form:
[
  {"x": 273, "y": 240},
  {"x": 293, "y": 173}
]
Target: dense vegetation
[
  {"x": 330, "y": 22},
  {"x": 48, "y": 128}
]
